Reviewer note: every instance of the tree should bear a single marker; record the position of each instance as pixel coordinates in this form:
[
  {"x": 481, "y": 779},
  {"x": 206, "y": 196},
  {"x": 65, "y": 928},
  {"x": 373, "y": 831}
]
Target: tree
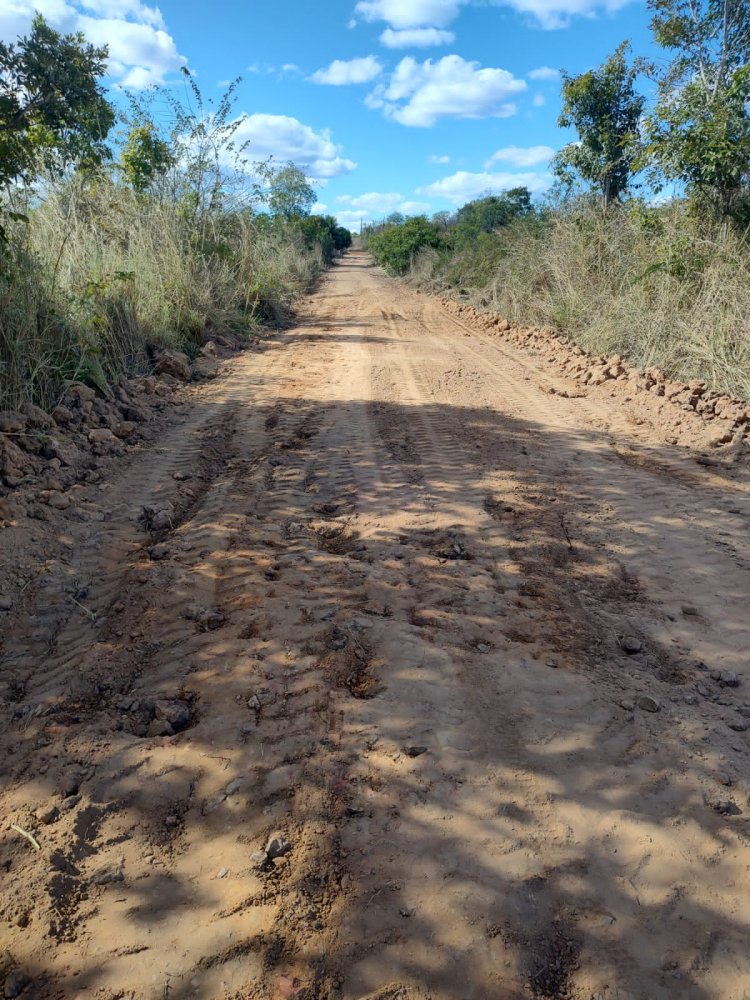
[
  {"x": 604, "y": 108},
  {"x": 291, "y": 195},
  {"x": 145, "y": 157},
  {"x": 52, "y": 106},
  {"x": 485, "y": 215},
  {"x": 699, "y": 132},
  {"x": 394, "y": 247}
]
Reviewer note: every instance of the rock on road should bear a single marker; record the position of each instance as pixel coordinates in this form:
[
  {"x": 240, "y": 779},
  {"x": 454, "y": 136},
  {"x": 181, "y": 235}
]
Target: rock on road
[{"x": 434, "y": 684}]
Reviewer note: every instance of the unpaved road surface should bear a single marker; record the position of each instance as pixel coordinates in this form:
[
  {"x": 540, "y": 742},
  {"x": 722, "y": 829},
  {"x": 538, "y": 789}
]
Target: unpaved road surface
[{"x": 388, "y": 618}]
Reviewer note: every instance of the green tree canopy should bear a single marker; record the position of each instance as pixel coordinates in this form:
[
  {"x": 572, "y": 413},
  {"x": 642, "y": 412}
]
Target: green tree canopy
[
  {"x": 604, "y": 108},
  {"x": 395, "y": 246},
  {"x": 485, "y": 215},
  {"x": 52, "y": 106},
  {"x": 699, "y": 132},
  {"x": 291, "y": 195},
  {"x": 145, "y": 156}
]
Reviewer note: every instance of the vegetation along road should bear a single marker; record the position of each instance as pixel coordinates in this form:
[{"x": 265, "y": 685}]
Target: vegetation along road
[{"x": 399, "y": 667}]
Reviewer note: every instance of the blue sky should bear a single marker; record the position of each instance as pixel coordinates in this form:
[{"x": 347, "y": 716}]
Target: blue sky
[{"x": 409, "y": 105}]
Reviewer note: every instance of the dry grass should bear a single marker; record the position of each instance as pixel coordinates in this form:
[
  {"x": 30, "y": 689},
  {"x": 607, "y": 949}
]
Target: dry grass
[
  {"x": 100, "y": 276},
  {"x": 659, "y": 287}
]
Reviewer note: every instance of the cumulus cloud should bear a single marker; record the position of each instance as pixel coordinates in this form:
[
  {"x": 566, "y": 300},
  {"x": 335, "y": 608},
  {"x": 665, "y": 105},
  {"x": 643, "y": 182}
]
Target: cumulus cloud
[
  {"x": 538, "y": 101},
  {"x": 285, "y": 138},
  {"x": 464, "y": 186},
  {"x": 372, "y": 201},
  {"x": 544, "y": 73},
  {"x": 319, "y": 208},
  {"x": 438, "y": 159},
  {"x": 520, "y": 156},
  {"x": 345, "y": 71},
  {"x": 379, "y": 203},
  {"x": 141, "y": 50},
  {"x": 400, "y": 14},
  {"x": 352, "y": 219},
  {"x": 410, "y": 13},
  {"x": 419, "y": 94},
  {"x": 415, "y": 38}
]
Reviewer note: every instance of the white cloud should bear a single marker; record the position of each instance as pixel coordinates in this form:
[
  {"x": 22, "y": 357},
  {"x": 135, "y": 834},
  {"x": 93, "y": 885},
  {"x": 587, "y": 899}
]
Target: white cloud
[
  {"x": 539, "y": 101},
  {"x": 464, "y": 186},
  {"x": 141, "y": 50},
  {"x": 401, "y": 14},
  {"x": 519, "y": 156},
  {"x": 345, "y": 71},
  {"x": 286, "y": 138},
  {"x": 438, "y": 159},
  {"x": 373, "y": 201},
  {"x": 290, "y": 69},
  {"x": 415, "y": 207},
  {"x": 544, "y": 73},
  {"x": 415, "y": 38},
  {"x": 352, "y": 220},
  {"x": 410, "y": 13},
  {"x": 379, "y": 203},
  {"x": 319, "y": 208},
  {"x": 418, "y": 94}
]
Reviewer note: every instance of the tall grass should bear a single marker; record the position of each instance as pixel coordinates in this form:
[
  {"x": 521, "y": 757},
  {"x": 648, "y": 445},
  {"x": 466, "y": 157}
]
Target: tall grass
[
  {"x": 100, "y": 276},
  {"x": 659, "y": 286}
]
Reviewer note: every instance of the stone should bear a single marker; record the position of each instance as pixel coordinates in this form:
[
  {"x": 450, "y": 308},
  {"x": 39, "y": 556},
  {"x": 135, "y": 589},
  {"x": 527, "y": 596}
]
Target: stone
[
  {"x": 14, "y": 463},
  {"x": 233, "y": 787},
  {"x": 159, "y": 551},
  {"x": 159, "y": 727},
  {"x": 725, "y": 807},
  {"x": 125, "y": 429},
  {"x": 6, "y": 602},
  {"x": 277, "y": 846},
  {"x": 62, "y": 415},
  {"x": 173, "y": 363},
  {"x": 15, "y": 984},
  {"x": 47, "y": 814},
  {"x": 176, "y": 713},
  {"x": 12, "y": 422},
  {"x": 689, "y": 609},
  {"x": 171, "y": 821},
  {"x": 162, "y": 520},
  {"x": 70, "y": 802},
  {"x": 415, "y": 751},
  {"x": 55, "y": 499},
  {"x": 631, "y": 645},
  {"x": 739, "y": 725},
  {"x": 103, "y": 439},
  {"x": 37, "y": 418},
  {"x": 69, "y": 784},
  {"x": 728, "y": 678},
  {"x": 81, "y": 393},
  {"x": 648, "y": 704},
  {"x": 213, "y": 804}
]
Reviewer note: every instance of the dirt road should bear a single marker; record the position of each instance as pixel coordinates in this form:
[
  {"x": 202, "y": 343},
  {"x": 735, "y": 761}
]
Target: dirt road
[{"x": 470, "y": 658}]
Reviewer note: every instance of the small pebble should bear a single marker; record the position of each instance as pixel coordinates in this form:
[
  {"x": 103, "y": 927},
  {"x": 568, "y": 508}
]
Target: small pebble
[
  {"x": 277, "y": 846},
  {"x": 648, "y": 704},
  {"x": 631, "y": 645}
]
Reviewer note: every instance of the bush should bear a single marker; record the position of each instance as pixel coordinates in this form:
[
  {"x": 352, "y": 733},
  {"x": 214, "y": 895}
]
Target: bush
[
  {"x": 394, "y": 248},
  {"x": 100, "y": 275}
]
